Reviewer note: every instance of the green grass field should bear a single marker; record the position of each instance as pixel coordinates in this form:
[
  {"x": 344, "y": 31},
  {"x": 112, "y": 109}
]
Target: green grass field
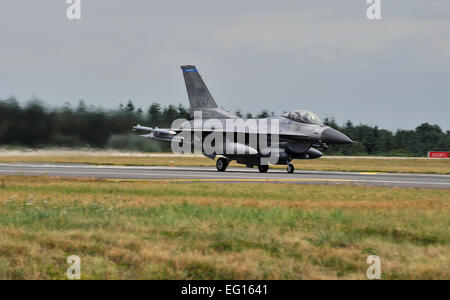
[{"x": 157, "y": 230}]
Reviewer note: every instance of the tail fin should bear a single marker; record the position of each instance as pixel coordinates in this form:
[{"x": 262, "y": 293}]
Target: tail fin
[
  {"x": 198, "y": 93},
  {"x": 200, "y": 98}
]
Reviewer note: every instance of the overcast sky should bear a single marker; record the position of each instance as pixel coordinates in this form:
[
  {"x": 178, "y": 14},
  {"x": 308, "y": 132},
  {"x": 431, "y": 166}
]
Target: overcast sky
[{"x": 321, "y": 55}]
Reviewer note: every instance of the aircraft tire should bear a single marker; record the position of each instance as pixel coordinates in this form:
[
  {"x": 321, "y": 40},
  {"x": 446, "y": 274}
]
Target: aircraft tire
[
  {"x": 290, "y": 168},
  {"x": 263, "y": 168},
  {"x": 221, "y": 164}
]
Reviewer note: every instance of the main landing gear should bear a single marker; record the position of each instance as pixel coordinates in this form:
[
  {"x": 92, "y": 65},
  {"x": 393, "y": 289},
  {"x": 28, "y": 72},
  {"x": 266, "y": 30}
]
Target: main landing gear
[
  {"x": 263, "y": 168},
  {"x": 290, "y": 168},
  {"x": 222, "y": 164}
]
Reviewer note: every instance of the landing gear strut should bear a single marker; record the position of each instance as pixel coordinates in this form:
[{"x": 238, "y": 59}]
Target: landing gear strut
[
  {"x": 290, "y": 168},
  {"x": 222, "y": 164},
  {"x": 263, "y": 168}
]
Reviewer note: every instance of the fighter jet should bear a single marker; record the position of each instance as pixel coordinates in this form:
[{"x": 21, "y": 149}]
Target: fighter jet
[{"x": 299, "y": 134}]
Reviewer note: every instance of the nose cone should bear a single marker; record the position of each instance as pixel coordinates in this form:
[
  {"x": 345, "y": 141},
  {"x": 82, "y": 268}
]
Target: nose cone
[{"x": 332, "y": 136}]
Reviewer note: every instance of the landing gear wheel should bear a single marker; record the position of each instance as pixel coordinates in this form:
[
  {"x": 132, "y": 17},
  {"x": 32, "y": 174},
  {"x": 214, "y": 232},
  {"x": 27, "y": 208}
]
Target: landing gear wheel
[
  {"x": 263, "y": 168},
  {"x": 221, "y": 164},
  {"x": 290, "y": 168}
]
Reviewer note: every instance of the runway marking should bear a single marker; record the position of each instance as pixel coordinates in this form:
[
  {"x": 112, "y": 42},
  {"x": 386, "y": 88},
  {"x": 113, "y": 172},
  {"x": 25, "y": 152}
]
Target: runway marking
[{"x": 369, "y": 173}]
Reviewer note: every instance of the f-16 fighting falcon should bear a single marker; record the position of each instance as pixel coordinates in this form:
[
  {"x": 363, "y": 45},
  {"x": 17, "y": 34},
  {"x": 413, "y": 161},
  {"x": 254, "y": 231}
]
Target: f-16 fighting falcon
[{"x": 253, "y": 142}]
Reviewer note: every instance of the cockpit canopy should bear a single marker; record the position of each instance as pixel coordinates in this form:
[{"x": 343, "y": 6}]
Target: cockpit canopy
[{"x": 303, "y": 116}]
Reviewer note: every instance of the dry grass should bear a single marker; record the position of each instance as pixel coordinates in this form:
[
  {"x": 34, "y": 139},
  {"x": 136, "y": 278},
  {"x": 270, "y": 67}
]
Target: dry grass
[
  {"x": 440, "y": 166},
  {"x": 152, "y": 230}
]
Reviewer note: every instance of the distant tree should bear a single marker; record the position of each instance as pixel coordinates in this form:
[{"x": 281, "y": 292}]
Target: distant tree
[
  {"x": 170, "y": 114},
  {"x": 405, "y": 140},
  {"x": 331, "y": 122},
  {"x": 183, "y": 113},
  {"x": 428, "y": 137},
  {"x": 10, "y": 113},
  {"x": 35, "y": 126},
  {"x": 95, "y": 129},
  {"x": 264, "y": 114},
  {"x": 130, "y": 106},
  {"x": 81, "y": 107},
  {"x": 154, "y": 113}
]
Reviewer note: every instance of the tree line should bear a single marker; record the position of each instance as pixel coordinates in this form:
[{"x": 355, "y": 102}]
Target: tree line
[{"x": 36, "y": 125}]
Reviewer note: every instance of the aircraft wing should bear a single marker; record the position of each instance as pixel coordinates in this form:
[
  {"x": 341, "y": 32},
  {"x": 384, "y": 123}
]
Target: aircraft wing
[{"x": 169, "y": 135}]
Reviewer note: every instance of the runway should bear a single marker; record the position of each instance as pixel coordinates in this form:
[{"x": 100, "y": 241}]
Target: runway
[{"x": 208, "y": 174}]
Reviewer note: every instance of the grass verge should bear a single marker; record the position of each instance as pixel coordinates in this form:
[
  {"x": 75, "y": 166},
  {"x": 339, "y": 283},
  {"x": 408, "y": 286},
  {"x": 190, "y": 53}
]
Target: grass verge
[{"x": 138, "y": 230}]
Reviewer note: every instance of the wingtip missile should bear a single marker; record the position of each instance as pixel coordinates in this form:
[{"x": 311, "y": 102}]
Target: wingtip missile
[{"x": 154, "y": 130}]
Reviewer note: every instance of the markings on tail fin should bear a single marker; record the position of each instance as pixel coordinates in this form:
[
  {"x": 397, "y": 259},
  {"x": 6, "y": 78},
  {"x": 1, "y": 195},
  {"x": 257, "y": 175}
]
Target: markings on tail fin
[{"x": 190, "y": 70}]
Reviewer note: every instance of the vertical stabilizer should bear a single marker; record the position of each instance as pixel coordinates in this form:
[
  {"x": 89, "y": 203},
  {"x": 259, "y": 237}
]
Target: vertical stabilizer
[
  {"x": 200, "y": 98},
  {"x": 198, "y": 93}
]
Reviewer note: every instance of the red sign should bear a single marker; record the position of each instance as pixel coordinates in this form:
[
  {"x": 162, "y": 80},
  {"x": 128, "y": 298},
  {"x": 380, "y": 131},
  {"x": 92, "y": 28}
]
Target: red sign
[{"x": 437, "y": 154}]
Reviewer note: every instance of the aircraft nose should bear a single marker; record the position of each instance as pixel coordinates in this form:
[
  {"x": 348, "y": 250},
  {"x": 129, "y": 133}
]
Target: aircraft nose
[{"x": 332, "y": 136}]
